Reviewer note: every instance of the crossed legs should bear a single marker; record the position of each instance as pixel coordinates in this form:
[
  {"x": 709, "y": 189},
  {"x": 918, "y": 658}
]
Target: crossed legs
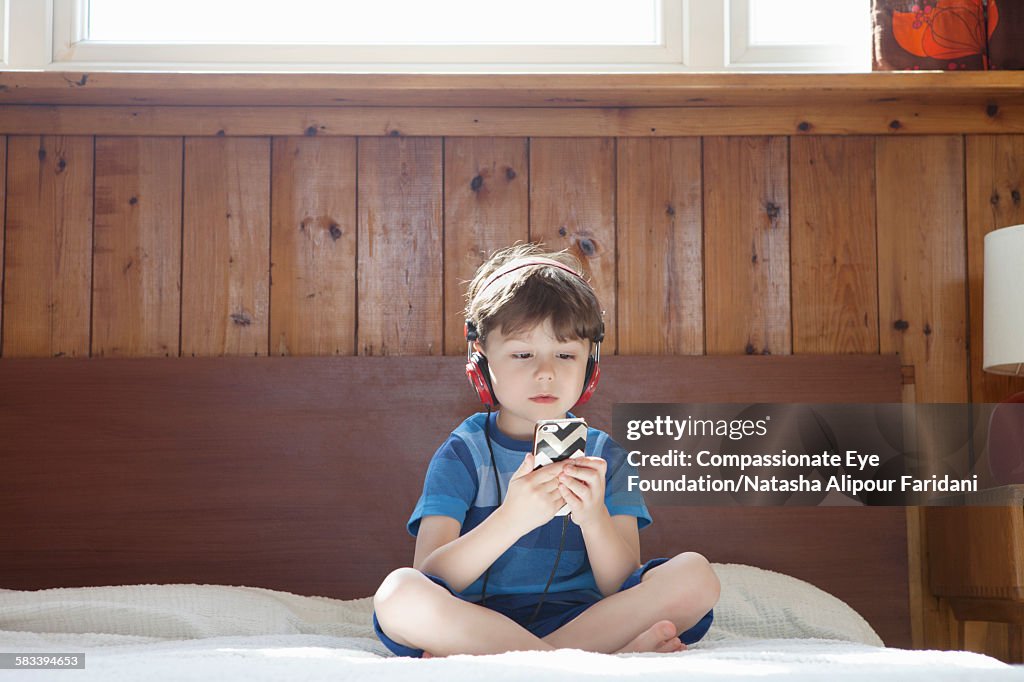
[{"x": 416, "y": 612}]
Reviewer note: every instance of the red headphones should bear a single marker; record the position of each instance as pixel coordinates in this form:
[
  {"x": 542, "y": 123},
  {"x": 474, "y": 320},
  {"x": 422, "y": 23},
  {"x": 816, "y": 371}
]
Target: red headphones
[{"x": 476, "y": 363}]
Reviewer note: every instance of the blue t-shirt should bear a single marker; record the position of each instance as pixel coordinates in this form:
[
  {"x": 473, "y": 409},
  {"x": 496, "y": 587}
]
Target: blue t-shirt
[{"x": 460, "y": 484}]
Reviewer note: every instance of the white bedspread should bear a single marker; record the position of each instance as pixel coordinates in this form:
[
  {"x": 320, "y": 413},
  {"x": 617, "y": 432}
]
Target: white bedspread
[{"x": 206, "y": 632}]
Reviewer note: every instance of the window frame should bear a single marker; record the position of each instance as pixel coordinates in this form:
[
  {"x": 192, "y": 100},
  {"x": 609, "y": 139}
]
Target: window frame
[{"x": 697, "y": 36}]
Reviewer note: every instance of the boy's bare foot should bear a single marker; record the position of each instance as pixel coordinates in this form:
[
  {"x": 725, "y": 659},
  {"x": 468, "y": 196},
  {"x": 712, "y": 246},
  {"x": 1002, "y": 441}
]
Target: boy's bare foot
[
  {"x": 427, "y": 654},
  {"x": 660, "y": 637}
]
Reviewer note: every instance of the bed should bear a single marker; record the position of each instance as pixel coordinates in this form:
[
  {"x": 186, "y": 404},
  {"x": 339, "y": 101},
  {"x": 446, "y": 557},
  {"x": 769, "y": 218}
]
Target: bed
[{"x": 260, "y": 501}]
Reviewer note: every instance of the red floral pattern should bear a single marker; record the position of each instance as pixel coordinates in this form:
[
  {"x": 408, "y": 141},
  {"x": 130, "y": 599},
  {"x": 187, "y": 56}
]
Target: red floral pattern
[{"x": 945, "y": 29}]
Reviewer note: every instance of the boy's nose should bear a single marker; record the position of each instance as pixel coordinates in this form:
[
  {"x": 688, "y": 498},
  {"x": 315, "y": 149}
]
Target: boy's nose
[{"x": 545, "y": 370}]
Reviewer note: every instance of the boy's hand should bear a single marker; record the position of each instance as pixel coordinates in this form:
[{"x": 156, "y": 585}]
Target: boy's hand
[
  {"x": 533, "y": 496},
  {"x": 582, "y": 487}
]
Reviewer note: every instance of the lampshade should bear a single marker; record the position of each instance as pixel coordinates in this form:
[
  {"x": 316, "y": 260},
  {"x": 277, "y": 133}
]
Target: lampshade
[{"x": 1004, "y": 301}]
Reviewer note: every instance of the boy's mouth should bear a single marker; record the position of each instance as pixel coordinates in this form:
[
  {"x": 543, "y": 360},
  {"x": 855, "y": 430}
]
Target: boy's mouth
[{"x": 543, "y": 398}]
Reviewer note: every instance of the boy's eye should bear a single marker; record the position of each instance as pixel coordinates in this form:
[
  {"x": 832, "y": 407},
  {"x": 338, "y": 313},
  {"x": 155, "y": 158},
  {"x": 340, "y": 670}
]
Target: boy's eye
[
  {"x": 522, "y": 356},
  {"x": 567, "y": 356}
]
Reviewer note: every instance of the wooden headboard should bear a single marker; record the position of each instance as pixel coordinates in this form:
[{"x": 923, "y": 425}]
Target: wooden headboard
[{"x": 298, "y": 474}]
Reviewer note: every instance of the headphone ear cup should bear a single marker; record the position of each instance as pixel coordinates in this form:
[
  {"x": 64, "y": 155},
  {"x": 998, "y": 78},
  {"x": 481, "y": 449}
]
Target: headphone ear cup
[
  {"x": 480, "y": 378},
  {"x": 589, "y": 381}
]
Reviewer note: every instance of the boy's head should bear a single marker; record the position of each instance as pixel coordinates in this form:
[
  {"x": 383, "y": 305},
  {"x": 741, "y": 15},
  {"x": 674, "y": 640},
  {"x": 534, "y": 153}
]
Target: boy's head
[
  {"x": 525, "y": 297},
  {"x": 532, "y": 328}
]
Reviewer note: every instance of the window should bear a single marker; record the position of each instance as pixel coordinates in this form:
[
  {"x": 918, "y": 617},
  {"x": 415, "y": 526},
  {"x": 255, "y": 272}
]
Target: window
[
  {"x": 441, "y": 35},
  {"x": 407, "y": 22},
  {"x": 833, "y": 34}
]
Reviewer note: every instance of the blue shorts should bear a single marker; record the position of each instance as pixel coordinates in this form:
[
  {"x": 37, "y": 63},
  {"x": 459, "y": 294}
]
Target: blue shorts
[{"x": 553, "y": 614}]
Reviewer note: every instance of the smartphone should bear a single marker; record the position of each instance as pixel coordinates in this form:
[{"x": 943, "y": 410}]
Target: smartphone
[{"x": 558, "y": 439}]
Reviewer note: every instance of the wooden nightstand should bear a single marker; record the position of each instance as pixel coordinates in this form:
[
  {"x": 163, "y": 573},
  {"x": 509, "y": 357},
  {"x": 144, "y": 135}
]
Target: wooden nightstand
[{"x": 976, "y": 561}]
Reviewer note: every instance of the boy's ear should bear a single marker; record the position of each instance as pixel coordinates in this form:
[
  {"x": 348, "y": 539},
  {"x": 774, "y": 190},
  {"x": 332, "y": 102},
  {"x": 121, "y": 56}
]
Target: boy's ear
[{"x": 478, "y": 348}]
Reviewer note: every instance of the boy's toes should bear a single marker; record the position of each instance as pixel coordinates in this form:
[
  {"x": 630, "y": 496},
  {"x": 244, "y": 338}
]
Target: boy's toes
[
  {"x": 654, "y": 638},
  {"x": 671, "y": 646}
]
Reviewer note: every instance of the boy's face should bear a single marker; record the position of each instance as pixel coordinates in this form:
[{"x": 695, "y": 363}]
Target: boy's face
[{"x": 535, "y": 376}]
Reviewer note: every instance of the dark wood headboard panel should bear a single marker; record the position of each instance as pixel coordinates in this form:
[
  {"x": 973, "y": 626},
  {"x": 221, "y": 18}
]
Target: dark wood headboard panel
[{"x": 298, "y": 474}]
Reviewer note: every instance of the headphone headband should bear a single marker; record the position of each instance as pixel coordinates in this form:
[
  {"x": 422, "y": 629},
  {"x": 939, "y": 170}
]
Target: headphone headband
[
  {"x": 476, "y": 363},
  {"x": 521, "y": 263}
]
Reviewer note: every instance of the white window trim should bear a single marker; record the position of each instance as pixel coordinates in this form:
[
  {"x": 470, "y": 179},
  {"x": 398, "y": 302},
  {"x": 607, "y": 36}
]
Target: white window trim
[
  {"x": 697, "y": 36},
  {"x": 27, "y": 38}
]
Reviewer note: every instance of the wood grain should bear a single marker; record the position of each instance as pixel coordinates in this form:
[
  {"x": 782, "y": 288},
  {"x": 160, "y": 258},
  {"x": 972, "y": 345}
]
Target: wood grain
[
  {"x": 572, "y": 206},
  {"x": 400, "y": 253},
  {"x": 833, "y": 257},
  {"x": 260, "y": 471},
  {"x": 921, "y": 261},
  {"x": 137, "y": 252},
  {"x": 746, "y": 238},
  {"x": 48, "y": 268},
  {"x": 660, "y": 249},
  {"x": 3, "y": 230},
  {"x": 486, "y": 207},
  {"x": 226, "y": 247},
  {"x": 995, "y": 183},
  {"x": 978, "y": 552},
  {"x": 529, "y": 90},
  {"x": 921, "y": 287},
  {"x": 808, "y": 118},
  {"x": 313, "y": 247}
]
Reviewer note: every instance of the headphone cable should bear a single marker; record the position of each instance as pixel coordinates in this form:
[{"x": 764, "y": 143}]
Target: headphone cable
[{"x": 561, "y": 542}]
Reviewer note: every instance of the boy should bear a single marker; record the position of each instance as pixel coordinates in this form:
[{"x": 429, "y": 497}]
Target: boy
[{"x": 495, "y": 568}]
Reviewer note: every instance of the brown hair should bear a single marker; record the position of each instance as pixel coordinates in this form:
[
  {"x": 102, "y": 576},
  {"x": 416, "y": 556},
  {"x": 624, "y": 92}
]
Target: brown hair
[{"x": 527, "y": 296}]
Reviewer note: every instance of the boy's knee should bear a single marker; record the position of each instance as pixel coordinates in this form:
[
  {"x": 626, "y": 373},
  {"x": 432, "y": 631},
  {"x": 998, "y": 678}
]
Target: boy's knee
[
  {"x": 399, "y": 586},
  {"x": 695, "y": 581},
  {"x": 705, "y": 586}
]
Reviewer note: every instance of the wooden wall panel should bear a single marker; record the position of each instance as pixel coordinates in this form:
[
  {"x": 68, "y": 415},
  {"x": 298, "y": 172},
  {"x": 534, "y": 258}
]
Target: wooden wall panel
[
  {"x": 399, "y": 266},
  {"x": 486, "y": 207},
  {"x": 3, "y": 230},
  {"x": 572, "y": 206},
  {"x": 48, "y": 251},
  {"x": 833, "y": 258},
  {"x": 226, "y": 247},
  {"x": 660, "y": 250},
  {"x": 921, "y": 261},
  {"x": 922, "y": 297},
  {"x": 995, "y": 183},
  {"x": 137, "y": 252},
  {"x": 746, "y": 237},
  {"x": 313, "y": 247}
]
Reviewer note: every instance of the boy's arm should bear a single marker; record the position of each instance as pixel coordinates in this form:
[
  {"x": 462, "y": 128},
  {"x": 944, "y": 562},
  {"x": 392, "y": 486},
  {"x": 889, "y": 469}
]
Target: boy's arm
[
  {"x": 613, "y": 547},
  {"x": 461, "y": 560},
  {"x": 613, "y": 543},
  {"x": 531, "y": 501}
]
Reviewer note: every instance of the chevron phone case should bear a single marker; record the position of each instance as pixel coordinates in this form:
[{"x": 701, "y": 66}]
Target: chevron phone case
[{"x": 558, "y": 439}]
